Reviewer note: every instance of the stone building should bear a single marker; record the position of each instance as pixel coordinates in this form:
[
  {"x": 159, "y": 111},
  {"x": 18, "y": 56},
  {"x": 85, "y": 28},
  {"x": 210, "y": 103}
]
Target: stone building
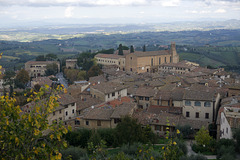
[
  {"x": 71, "y": 63},
  {"x": 140, "y": 62},
  {"x": 111, "y": 59},
  {"x": 38, "y": 68}
]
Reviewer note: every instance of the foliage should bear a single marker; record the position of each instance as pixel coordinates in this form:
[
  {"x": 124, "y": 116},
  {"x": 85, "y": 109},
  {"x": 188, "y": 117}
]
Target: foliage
[
  {"x": 186, "y": 131},
  {"x": 202, "y": 137},
  {"x": 97, "y": 151},
  {"x": 94, "y": 71},
  {"x": 0, "y": 65},
  {"x": 74, "y": 75},
  {"x": 131, "y": 149},
  {"x": 106, "y": 51},
  {"x": 236, "y": 136},
  {"x": 8, "y": 77},
  {"x": 226, "y": 153},
  {"x": 144, "y": 48},
  {"x": 85, "y": 60},
  {"x": 48, "y": 57},
  {"x": 129, "y": 131},
  {"x": 40, "y": 58},
  {"x": 131, "y": 49},
  {"x": 108, "y": 135},
  {"x": 22, "y": 78},
  {"x": 120, "y": 49},
  {"x": 78, "y": 138},
  {"x": 74, "y": 153},
  {"x": 52, "y": 69},
  {"x": 194, "y": 157},
  {"x": 28, "y": 135}
]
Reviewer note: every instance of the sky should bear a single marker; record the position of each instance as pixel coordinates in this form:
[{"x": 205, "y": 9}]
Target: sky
[{"x": 116, "y": 11}]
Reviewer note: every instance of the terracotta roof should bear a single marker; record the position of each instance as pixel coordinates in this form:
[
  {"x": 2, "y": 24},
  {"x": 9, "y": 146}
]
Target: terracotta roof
[
  {"x": 86, "y": 101},
  {"x": 109, "y": 87},
  {"x": 97, "y": 79},
  {"x": 177, "y": 94},
  {"x": 66, "y": 99},
  {"x": 234, "y": 86},
  {"x": 150, "y": 53},
  {"x": 163, "y": 95},
  {"x": 123, "y": 110},
  {"x": 42, "y": 81},
  {"x": 145, "y": 92},
  {"x": 102, "y": 113},
  {"x": 41, "y": 62},
  {"x": 160, "y": 109},
  {"x": 199, "y": 95},
  {"x": 110, "y": 56}
]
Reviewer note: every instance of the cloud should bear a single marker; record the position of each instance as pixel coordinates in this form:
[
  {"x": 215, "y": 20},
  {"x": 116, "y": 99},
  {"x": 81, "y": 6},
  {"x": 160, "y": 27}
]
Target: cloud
[
  {"x": 69, "y": 12},
  {"x": 220, "y": 11},
  {"x": 170, "y": 3}
]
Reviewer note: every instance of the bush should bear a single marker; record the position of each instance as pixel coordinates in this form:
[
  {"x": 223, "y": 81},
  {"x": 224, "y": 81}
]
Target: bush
[
  {"x": 186, "y": 131},
  {"x": 107, "y": 134},
  {"x": 182, "y": 146},
  {"x": 199, "y": 149},
  {"x": 130, "y": 150},
  {"x": 78, "y": 138},
  {"x": 226, "y": 151},
  {"x": 194, "y": 157},
  {"x": 75, "y": 153}
]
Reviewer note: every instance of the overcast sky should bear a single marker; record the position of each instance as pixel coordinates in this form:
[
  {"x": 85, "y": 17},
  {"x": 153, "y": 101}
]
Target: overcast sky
[{"x": 127, "y": 11}]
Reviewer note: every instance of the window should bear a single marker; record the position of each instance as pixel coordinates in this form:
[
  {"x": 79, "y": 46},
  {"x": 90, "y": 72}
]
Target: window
[
  {"x": 54, "y": 113},
  {"x": 140, "y": 97},
  {"x": 77, "y": 122},
  {"x": 197, "y": 114},
  {"x": 152, "y": 62},
  {"x": 197, "y": 103},
  {"x": 60, "y": 111},
  {"x": 206, "y": 115},
  {"x": 131, "y": 58},
  {"x": 98, "y": 123},
  {"x": 113, "y": 94},
  {"x": 108, "y": 95},
  {"x": 165, "y": 59},
  {"x": 60, "y": 118},
  {"x": 164, "y": 128},
  {"x": 73, "y": 111},
  {"x": 187, "y": 114},
  {"x": 188, "y": 103},
  {"x": 159, "y": 60},
  {"x": 66, "y": 113},
  {"x": 117, "y": 120},
  {"x": 226, "y": 130},
  {"x": 170, "y": 59},
  {"x": 73, "y": 104},
  {"x": 87, "y": 123},
  {"x": 207, "y": 104},
  {"x": 146, "y": 98},
  {"x": 130, "y": 69}
]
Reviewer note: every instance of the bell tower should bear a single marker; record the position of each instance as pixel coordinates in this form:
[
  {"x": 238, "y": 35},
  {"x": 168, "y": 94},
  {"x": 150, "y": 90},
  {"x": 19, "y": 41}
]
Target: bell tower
[{"x": 173, "y": 52}]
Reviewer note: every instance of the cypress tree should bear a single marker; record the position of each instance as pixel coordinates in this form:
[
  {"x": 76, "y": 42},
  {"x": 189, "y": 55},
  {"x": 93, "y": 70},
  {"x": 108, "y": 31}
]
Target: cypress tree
[
  {"x": 120, "y": 50},
  {"x": 131, "y": 49},
  {"x": 144, "y": 48}
]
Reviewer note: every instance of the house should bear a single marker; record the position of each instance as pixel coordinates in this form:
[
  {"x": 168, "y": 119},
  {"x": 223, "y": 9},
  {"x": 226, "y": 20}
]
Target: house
[
  {"x": 144, "y": 96},
  {"x": 229, "y": 120},
  {"x": 71, "y": 63},
  {"x": 107, "y": 116},
  {"x": 41, "y": 81},
  {"x": 234, "y": 89},
  {"x": 140, "y": 62},
  {"x": 108, "y": 91},
  {"x": 38, "y": 68},
  {"x": 200, "y": 105},
  {"x": 111, "y": 59},
  {"x": 181, "y": 67}
]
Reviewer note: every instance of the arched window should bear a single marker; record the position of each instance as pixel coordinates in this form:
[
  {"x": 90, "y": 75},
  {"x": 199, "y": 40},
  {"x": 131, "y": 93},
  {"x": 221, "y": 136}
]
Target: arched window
[
  {"x": 207, "y": 104},
  {"x": 197, "y": 103},
  {"x": 188, "y": 103}
]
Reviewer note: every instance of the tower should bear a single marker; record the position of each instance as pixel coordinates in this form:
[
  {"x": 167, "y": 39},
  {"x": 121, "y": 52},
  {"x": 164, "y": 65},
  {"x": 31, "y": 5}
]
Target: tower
[{"x": 175, "y": 56}]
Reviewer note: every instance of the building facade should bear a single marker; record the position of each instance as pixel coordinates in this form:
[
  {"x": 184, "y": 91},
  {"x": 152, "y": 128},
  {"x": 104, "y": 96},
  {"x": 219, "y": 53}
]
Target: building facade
[{"x": 38, "y": 68}]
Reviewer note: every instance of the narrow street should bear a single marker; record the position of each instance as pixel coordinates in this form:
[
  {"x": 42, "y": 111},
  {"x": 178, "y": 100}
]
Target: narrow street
[{"x": 62, "y": 80}]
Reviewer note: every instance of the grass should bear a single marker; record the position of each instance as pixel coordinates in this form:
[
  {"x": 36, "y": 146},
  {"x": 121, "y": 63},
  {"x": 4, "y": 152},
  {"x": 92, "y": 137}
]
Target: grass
[{"x": 113, "y": 151}]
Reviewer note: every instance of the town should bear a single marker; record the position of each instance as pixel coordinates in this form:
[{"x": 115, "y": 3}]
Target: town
[{"x": 153, "y": 87}]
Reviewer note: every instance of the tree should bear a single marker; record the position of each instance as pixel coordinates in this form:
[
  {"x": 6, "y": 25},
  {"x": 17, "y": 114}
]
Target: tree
[
  {"x": 94, "y": 71},
  {"x": 131, "y": 49},
  {"x": 236, "y": 136},
  {"x": 129, "y": 131},
  {"x": 22, "y": 78},
  {"x": 144, "y": 48},
  {"x": 9, "y": 78},
  {"x": 51, "y": 57},
  {"x": 40, "y": 58},
  {"x": 52, "y": 69},
  {"x": 107, "y": 51},
  {"x": 202, "y": 137},
  {"x": 27, "y": 135},
  {"x": 120, "y": 49}
]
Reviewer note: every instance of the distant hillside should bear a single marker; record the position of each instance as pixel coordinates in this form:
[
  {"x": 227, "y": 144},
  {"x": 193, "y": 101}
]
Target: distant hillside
[{"x": 213, "y": 47}]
